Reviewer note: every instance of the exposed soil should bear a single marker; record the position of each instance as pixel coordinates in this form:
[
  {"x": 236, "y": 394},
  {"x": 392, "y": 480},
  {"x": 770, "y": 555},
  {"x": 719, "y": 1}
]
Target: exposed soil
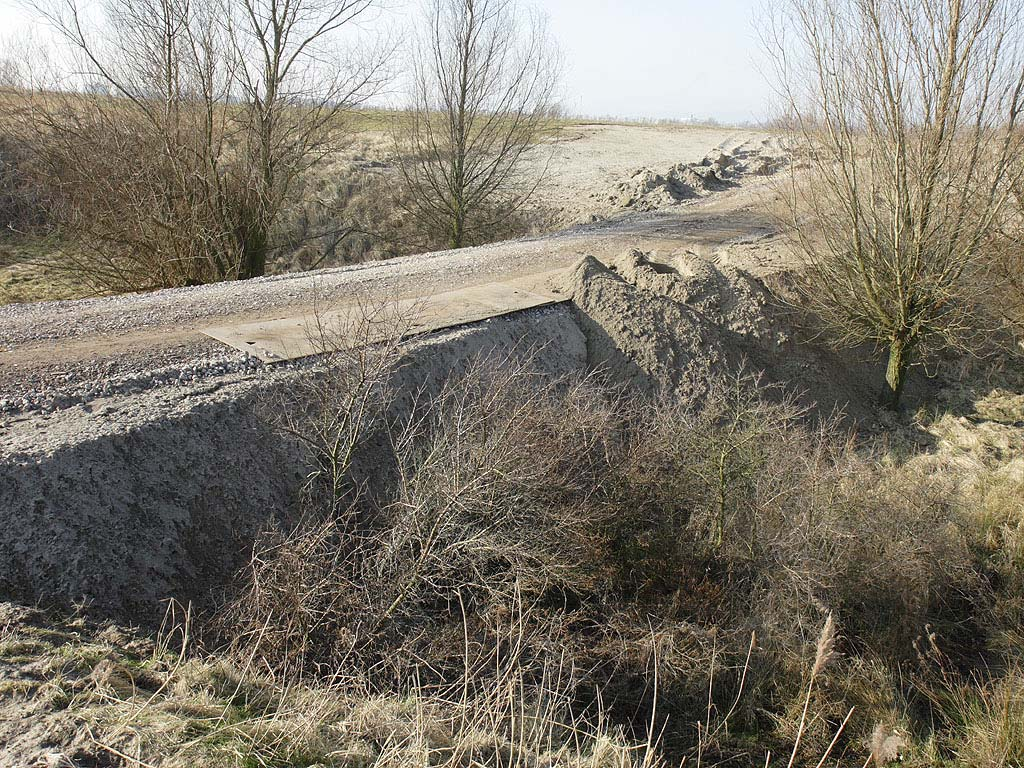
[
  {"x": 588, "y": 163},
  {"x": 133, "y": 467},
  {"x": 648, "y": 189},
  {"x": 54, "y": 355}
]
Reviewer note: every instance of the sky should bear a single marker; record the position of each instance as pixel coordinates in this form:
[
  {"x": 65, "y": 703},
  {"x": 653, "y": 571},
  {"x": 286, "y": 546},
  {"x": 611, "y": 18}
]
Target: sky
[
  {"x": 661, "y": 58},
  {"x": 675, "y": 59}
]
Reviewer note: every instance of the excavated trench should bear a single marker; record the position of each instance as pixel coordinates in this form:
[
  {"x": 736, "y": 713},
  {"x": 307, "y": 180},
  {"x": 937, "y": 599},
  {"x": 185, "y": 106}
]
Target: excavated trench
[{"x": 123, "y": 502}]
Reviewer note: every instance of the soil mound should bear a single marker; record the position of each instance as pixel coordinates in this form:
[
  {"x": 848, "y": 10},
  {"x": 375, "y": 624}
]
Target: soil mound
[
  {"x": 648, "y": 190},
  {"x": 678, "y": 324},
  {"x": 122, "y": 502}
]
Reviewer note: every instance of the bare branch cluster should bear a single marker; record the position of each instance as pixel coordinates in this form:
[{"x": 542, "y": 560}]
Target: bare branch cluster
[
  {"x": 907, "y": 112},
  {"x": 1004, "y": 270},
  {"x": 203, "y": 117},
  {"x": 577, "y": 518}
]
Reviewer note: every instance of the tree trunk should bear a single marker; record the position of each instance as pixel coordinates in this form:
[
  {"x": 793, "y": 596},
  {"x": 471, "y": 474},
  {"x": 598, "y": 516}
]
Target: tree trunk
[
  {"x": 254, "y": 254},
  {"x": 895, "y": 373},
  {"x": 458, "y": 232}
]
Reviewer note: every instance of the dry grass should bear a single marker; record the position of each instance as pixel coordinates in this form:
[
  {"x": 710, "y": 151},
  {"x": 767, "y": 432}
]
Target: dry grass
[
  {"x": 513, "y": 570},
  {"x": 141, "y": 703},
  {"x": 986, "y": 720},
  {"x": 648, "y": 541},
  {"x": 31, "y": 271}
]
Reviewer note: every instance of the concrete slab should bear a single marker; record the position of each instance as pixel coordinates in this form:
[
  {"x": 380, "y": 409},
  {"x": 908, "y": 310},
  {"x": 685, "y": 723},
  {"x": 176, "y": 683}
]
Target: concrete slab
[{"x": 312, "y": 332}]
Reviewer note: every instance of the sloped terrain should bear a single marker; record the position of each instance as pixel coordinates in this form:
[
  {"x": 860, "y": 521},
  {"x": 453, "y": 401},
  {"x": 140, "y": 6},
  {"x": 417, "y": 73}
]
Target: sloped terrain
[{"x": 142, "y": 462}]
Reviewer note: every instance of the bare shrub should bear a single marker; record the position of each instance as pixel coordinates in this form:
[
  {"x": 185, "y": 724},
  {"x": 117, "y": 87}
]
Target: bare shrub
[
  {"x": 24, "y": 202},
  {"x": 487, "y": 507},
  {"x": 136, "y": 215},
  {"x": 1004, "y": 267},
  {"x": 907, "y": 113},
  {"x": 144, "y": 201},
  {"x": 647, "y": 540},
  {"x": 494, "y": 481},
  {"x": 177, "y": 170},
  {"x": 788, "y": 517}
]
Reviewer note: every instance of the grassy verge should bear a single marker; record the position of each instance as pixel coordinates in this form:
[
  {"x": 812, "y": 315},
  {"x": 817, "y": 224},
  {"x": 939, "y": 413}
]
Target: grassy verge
[{"x": 123, "y": 698}]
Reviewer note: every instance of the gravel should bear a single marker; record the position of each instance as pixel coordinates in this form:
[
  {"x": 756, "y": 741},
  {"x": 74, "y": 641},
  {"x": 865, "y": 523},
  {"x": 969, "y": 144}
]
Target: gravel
[{"x": 56, "y": 355}]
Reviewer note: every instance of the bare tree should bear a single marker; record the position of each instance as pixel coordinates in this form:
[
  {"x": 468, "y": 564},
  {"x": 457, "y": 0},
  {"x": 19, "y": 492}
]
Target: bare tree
[
  {"x": 294, "y": 84},
  {"x": 10, "y": 75},
  {"x": 20, "y": 203},
  {"x": 207, "y": 114},
  {"x": 131, "y": 133},
  {"x": 483, "y": 87},
  {"x": 906, "y": 111}
]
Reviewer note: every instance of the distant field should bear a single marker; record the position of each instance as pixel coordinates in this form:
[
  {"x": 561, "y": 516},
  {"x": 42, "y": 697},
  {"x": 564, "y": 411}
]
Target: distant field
[{"x": 28, "y": 273}]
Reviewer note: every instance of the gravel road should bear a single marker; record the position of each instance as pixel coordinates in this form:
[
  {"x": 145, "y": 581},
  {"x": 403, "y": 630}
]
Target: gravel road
[{"x": 57, "y": 354}]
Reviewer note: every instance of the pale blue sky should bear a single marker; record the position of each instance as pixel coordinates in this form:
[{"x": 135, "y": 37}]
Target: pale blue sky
[
  {"x": 635, "y": 58},
  {"x": 661, "y": 58}
]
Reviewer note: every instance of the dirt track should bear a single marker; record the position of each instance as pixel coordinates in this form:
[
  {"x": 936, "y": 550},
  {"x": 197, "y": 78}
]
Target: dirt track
[{"x": 64, "y": 353}]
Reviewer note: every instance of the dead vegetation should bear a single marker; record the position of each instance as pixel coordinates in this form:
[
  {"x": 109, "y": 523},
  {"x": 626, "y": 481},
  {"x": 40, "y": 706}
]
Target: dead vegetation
[
  {"x": 650, "y": 541},
  {"x": 121, "y": 699},
  {"x": 1004, "y": 268},
  {"x": 513, "y": 570},
  {"x": 203, "y": 119}
]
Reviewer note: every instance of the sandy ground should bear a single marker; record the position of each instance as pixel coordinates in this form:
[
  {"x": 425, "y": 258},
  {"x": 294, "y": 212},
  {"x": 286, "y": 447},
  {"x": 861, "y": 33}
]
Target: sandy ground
[
  {"x": 133, "y": 461},
  {"x": 57, "y": 354},
  {"x": 587, "y": 162}
]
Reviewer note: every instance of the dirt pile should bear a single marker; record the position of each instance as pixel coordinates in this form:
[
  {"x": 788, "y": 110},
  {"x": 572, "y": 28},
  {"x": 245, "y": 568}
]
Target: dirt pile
[
  {"x": 648, "y": 190},
  {"x": 677, "y": 324}
]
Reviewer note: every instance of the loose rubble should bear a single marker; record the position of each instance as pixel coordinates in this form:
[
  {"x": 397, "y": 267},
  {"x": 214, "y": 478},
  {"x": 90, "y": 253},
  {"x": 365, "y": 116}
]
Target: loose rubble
[{"x": 648, "y": 190}]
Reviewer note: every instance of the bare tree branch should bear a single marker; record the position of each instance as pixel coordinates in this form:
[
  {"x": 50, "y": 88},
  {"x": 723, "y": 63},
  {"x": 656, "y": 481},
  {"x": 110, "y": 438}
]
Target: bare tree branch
[{"x": 907, "y": 113}]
